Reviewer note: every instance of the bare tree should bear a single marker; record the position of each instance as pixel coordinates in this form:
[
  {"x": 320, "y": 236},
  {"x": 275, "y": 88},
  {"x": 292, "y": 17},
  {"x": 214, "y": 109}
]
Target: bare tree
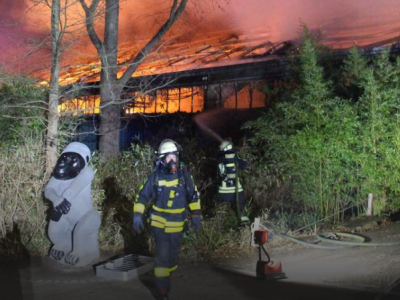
[
  {"x": 111, "y": 86},
  {"x": 52, "y": 124},
  {"x": 51, "y": 105},
  {"x": 60, "y": 25}
]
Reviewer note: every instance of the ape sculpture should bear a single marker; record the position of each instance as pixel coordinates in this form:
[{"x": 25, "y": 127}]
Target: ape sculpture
[{"x": 74, "y": 223}]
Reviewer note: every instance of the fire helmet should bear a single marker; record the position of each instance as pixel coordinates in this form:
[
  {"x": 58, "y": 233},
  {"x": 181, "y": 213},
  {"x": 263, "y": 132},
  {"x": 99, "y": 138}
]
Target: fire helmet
[
  {"x": 167, "y": 146},
  {"x": 226, "y": 146}
]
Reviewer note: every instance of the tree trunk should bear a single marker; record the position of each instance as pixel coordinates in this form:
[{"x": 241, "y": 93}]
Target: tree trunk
[
  {"x": 52, "y": 118},
  {"x": 111, "y": 87},
  {"x": 109, "y": 92},
  {"x": 110, "y": 122},
  {"x": 52, "y": 132}
]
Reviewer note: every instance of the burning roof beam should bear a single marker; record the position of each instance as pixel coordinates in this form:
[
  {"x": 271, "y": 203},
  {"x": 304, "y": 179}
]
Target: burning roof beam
[
  {"x": 249, "y": 53},
  {"x": 227, "y": 54}
]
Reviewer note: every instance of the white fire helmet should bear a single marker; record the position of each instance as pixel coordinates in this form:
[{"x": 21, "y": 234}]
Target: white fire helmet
[
  {"x": 167, "y": 146},
  {"x": 79, "y": 148},
  {"x": 226, "y": 146}
]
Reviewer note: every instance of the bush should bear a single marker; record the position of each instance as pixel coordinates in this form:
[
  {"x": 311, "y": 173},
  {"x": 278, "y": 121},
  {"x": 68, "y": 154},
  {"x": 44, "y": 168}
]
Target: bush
[
  {"x": 219, "y": 237},
  {"x": 22, "y": 211},
  {"x": 307, "y": 141},
  {"x": 115, "y": 186},
  {"x": 321, "y": 154}
]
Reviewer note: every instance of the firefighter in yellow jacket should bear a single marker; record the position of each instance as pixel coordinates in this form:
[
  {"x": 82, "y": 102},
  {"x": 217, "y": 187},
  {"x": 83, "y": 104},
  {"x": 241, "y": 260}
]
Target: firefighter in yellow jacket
[
  {"x": 230, "y": 187},
  {"x": 175, "y": 197}
]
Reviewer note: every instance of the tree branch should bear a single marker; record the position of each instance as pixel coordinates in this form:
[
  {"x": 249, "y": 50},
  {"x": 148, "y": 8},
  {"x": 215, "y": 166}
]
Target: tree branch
[
  {"x": 90, "y": 15},
  {"x": 175, "y": 13}
]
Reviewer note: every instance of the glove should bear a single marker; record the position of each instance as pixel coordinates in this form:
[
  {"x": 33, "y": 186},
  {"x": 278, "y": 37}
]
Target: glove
[
  {"x": 64, "y": 206},
  {"x": 196, "y": 222},
  {"x": 138, "y": 222},
  {"x": 55, "y": 215}
]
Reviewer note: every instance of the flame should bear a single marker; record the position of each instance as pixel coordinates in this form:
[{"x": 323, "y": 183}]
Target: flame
[
  {"x": 236, "y": 32},
  {"x": 189, "y": 100},
  {"x": 249, "y": 96},
  {"x": 78, "y": 106},
  {"x": 211, "y": 32}
]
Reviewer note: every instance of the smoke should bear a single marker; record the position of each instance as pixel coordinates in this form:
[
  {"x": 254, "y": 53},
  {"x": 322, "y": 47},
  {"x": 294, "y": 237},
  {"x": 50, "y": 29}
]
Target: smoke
[
  {"x": 283, "y": 18},
  {"x": 11, "y": 28},
  {"x": 23, "y": 36},
  {"x": 342, "y": 23}
]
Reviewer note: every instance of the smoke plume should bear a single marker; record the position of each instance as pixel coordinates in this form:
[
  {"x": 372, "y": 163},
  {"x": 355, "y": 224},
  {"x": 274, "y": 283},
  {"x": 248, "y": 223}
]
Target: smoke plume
[{"x": 25, "y": 31}]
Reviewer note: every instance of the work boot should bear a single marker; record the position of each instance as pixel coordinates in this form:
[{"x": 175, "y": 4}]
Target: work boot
[{"x": 162, "y": 295}]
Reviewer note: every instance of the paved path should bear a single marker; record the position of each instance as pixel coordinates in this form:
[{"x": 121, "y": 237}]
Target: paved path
[
  {"x": 365, "y": 273},
  {"x": 41, "y": 281}
]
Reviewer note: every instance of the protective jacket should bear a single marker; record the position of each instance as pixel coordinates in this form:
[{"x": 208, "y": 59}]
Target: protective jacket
[
  {"x": 229, "y": 163},
  {"x": 173, "y": 196}
]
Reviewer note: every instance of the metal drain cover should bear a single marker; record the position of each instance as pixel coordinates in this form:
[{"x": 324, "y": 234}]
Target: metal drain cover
[{"x": 125, "y": 268}]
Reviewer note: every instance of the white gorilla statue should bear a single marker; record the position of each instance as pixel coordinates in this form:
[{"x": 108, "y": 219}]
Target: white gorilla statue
[{"x": 74, "y": 223}]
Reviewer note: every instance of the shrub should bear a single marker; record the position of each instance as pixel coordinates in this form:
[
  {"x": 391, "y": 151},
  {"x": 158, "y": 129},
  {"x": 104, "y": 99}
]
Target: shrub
[
  {"x": 22, "y": 211},
  {"x": 115, "y": 186},
  {"x": 219, "y": 237}
]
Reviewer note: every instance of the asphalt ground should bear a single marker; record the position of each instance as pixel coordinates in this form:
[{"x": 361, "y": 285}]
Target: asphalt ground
[{"x": 352, "y": 273}]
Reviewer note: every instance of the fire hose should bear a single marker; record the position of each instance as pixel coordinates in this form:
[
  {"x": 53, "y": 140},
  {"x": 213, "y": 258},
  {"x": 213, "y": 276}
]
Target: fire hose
[
  {"x": 334, "y": 238},
  {"x": 324, "y": 237}
]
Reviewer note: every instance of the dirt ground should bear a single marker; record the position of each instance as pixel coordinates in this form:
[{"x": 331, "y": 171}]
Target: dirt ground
[{"x": 311, "y": 273}]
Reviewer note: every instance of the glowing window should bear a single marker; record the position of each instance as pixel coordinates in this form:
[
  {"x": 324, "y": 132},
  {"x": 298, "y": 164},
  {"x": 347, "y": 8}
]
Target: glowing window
[{"x": 82, "y": 105}]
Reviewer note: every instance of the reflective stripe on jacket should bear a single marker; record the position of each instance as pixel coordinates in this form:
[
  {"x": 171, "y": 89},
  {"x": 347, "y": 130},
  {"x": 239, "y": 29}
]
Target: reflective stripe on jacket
[
  {"x": 173, "y": 196},
  {"x": 229, "y": 164}
]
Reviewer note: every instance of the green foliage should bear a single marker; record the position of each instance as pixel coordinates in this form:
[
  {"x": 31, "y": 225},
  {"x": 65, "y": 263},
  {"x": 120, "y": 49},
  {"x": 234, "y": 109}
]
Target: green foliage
[
  {"x": 22, "y": 108},
  {"x": 318, "y": 154},
  {"x": 22, "y": 211},
  {"x": 378, "y": 112},
  {"x": 200, "y": 165},
  {"x": 219, "y": 237},
  {"x": 115, "y": 187},
  {"x": 307, "y": 138}
]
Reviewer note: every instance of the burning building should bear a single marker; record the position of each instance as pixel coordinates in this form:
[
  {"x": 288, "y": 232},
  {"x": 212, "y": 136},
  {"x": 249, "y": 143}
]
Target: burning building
[
  {"x": 222, "y": 72},
  {"x": 228, "y": 68},
  {"x": 226, "y": 60}
]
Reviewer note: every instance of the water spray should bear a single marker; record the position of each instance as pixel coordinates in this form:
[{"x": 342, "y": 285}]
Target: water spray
[{"x": 203, "y": 120}]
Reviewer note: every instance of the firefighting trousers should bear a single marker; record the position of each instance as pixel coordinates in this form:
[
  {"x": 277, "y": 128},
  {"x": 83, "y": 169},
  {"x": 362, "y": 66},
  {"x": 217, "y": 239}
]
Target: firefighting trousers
[
  {"x": 166, "y": 260},
  {"x": 231, "y": 199}
]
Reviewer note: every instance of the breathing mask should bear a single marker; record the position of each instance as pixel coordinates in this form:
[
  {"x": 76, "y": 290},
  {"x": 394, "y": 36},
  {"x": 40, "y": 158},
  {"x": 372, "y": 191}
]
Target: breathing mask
[{"x": 172, "y": 165}]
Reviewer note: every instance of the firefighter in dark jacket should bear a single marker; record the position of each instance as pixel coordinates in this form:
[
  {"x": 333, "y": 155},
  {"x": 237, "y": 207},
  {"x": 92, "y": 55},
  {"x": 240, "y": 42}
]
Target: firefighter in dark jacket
[
  {"x": 230, "y": 187},
  {"x": 174, "y": 198}
]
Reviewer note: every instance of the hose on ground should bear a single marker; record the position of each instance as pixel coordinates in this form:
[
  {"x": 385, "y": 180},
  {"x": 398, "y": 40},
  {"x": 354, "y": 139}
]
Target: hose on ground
[
  {"x": 324, "y": 237},
  {"x": 332, "y": 237}
]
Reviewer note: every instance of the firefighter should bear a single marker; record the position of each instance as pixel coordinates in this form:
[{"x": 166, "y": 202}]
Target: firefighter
[
  {"x": 230, "y": 187},
  {"x": 175, "y": 198}
]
